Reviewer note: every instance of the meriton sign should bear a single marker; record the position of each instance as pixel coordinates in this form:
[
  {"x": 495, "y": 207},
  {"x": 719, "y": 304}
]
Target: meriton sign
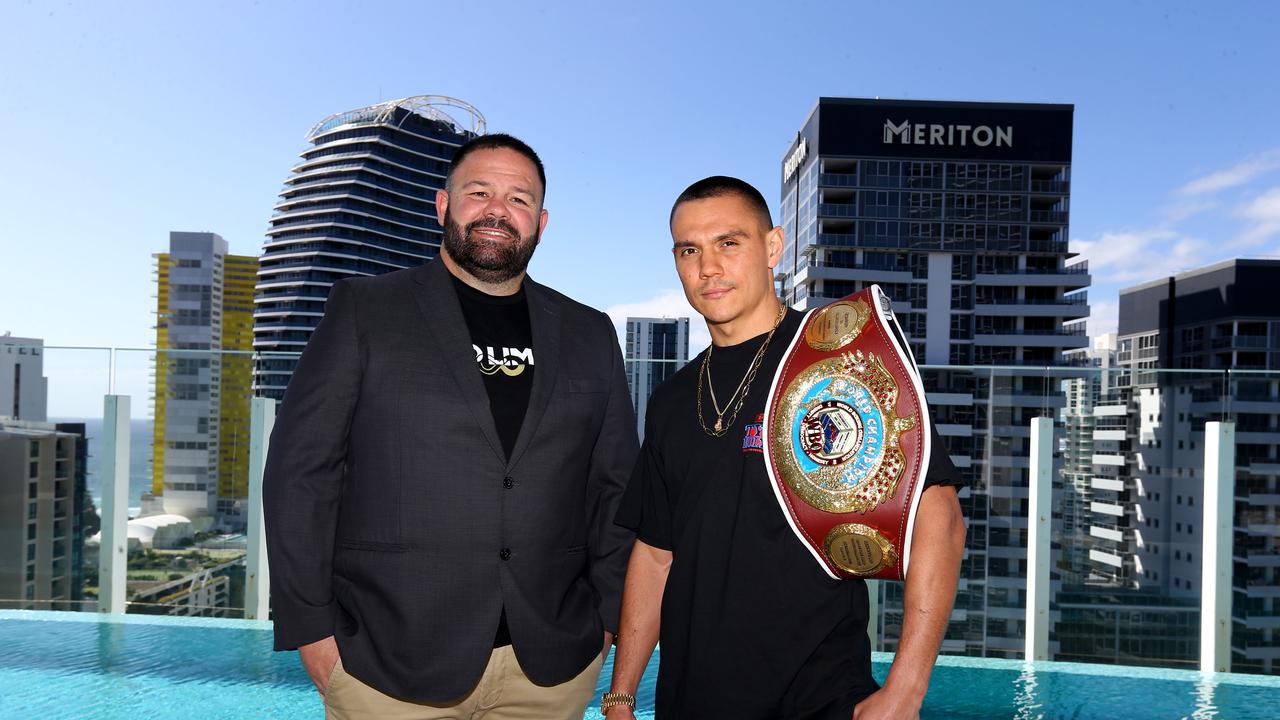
[
  {"x": 795, "y": 159},
  {"x": 951, "y": 135}
]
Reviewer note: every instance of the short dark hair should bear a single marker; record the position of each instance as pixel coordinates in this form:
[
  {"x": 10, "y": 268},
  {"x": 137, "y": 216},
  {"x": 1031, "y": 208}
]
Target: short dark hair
[
  {"x": 719, "y": 186},
  {"x": 496, "y": 141}
]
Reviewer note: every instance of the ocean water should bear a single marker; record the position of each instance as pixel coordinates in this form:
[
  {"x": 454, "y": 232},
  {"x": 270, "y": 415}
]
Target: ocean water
[
  {"x": 91, "y": 667},
  {"x": 140, "y": 434}
]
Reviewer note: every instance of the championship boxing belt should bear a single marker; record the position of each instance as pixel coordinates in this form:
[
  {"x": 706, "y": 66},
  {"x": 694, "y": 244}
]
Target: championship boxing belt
[{"x": 846, "y": 438}]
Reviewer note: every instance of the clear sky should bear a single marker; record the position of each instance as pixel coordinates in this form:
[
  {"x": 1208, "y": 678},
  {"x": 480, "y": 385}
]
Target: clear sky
[{"x": 123, "y": 121}]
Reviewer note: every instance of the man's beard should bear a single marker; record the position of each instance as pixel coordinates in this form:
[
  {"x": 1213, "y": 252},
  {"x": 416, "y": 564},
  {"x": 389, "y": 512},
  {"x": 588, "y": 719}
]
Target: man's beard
[{"x": 488, "y": 261}]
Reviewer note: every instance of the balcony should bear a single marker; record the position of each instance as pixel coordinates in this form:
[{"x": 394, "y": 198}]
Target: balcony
[
  {"x": 838, "y": 179},
  {"x": 837, "y": 240},
  {"x": 1239, "y": 341},
  {"x": 1065, "y": 338},
  {"x": 1068, "y": 278},
  {"x": 1068, "y": 307},
  {"x": 1055, "y": 187},
  {"x": 1054, "y": 217},
  {"x": 837, "y": 210},
  {"x": 822, "y": 271}
]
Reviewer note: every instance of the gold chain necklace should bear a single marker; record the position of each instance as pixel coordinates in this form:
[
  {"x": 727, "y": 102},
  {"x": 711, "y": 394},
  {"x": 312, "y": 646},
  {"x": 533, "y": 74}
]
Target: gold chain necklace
[{"x": 744, "y": 387}]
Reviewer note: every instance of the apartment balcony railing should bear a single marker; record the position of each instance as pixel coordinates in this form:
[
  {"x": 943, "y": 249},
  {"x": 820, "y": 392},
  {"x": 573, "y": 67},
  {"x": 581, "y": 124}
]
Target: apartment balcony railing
[
  {"x": 1073, "y": 299},
  {"x": 838, "y": 179},
  {"x": 838, "y": 210}
]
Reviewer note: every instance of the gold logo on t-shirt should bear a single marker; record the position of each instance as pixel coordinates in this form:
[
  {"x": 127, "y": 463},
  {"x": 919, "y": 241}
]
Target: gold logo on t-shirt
[{"x": 509, "y": 361}]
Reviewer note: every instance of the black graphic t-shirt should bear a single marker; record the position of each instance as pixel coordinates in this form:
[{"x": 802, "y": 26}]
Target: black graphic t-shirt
[
  {"x": 502, "y": 340},
  {"x": 751, "y": 626}
]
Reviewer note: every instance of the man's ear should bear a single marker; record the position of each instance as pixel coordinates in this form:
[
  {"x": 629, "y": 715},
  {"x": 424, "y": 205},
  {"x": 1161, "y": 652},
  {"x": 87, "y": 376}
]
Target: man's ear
[
  {"x": 442, "y": 205},
  {"x": 774, "y": 244}
]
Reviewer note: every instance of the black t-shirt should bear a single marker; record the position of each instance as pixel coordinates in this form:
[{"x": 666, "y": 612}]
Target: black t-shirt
[
  {"x": 502, "y": 340},
  {"x": 751, "y": 625}
]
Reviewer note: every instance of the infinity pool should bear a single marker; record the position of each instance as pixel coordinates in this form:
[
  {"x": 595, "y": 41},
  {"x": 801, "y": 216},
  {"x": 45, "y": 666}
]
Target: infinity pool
[{"x": 92, "y": 667}]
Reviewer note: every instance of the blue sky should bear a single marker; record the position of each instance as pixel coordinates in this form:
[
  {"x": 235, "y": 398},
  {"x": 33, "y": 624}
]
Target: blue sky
[{"x": 126, "y": 120}]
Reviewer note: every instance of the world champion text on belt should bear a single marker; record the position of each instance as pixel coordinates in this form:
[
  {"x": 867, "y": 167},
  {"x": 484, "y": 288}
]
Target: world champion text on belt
[{"x": 846, "y": 435}]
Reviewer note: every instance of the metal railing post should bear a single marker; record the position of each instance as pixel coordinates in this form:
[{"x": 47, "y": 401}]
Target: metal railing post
[
  {"x": 873, "y": 615},
  {"x": 1039, "y": 527},
  {"x": 1219, "y": 525},
  {"x": 113, "y": 551}
]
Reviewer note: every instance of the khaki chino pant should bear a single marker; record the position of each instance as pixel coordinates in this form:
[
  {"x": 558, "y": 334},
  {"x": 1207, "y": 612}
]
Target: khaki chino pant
[{"x": 504, "y": 693}]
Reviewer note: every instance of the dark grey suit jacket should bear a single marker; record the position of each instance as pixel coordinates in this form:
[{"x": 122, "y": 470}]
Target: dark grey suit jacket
[{"x": 390, "y": 524}]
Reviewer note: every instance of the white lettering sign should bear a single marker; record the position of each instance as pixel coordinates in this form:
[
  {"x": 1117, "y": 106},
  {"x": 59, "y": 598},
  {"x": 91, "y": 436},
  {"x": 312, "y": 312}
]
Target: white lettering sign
[
  {"x": 795, "y": 159},
  {"x": 905, "y": 133}
]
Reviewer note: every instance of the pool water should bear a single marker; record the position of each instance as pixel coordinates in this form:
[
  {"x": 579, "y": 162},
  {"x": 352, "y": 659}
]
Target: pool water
[{"x": 94, "y": 667}]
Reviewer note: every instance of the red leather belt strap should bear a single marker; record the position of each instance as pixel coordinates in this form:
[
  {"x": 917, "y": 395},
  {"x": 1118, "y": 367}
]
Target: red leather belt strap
[{"x": 846, "y": 438}]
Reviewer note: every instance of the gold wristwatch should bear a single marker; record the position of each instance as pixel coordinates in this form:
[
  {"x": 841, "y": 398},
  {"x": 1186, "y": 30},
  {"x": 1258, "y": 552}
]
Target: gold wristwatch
[{"x": 611, "y": 699}]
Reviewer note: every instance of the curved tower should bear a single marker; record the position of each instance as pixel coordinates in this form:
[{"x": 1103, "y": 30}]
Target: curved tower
[{"x": 361, "y": 202}]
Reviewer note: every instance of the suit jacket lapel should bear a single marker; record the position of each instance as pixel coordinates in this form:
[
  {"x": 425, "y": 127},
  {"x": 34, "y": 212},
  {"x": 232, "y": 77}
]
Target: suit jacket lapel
[
  {"x": 544, "y": 319},
  {"x": 438, "y": 301}
]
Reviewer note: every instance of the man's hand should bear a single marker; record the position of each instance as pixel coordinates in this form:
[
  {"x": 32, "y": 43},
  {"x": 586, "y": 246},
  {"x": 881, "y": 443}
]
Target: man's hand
[
  {"x": 937, "y": 547},
  {"x": 640, "y": 621},
  {"x": 608, "y": 643},
  {"x": 319, "y": 659},
  {"x": 886, "y": 703}
]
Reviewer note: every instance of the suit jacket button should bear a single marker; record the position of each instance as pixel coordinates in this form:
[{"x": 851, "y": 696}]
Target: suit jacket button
[
  {"x": 508, "y": 483},
  {"x": 505, "y": 554}
]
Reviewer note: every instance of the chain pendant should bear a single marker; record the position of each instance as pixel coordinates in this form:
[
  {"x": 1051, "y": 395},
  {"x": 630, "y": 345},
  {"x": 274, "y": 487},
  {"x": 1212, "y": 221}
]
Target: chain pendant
[{"x": 719, "y": 427}]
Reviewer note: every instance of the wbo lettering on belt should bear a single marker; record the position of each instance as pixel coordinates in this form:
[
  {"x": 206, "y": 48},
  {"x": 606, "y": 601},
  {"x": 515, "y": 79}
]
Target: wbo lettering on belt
[{"x": 846, "y": 438}]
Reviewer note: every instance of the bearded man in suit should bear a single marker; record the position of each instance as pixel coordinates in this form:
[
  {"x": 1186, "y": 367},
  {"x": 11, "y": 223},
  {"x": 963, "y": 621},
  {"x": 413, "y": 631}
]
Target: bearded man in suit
[{"x": 444, "y": 472}]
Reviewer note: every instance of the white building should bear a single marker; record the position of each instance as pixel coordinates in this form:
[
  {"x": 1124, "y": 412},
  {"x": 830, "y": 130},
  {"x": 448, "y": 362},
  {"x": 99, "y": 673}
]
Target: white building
[
  {"x": 1198, "y": 347},
  {"x": 24, "y": 390}
]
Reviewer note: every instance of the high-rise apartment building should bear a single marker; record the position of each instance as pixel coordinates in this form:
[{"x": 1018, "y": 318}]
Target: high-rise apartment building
[
  {"x": 361, "y": 202},
  {"x": 1103, "y": 614},
  {"x": 1177, "y": 340},
  {"x": 24, "y": 390},
  {"x": 959, "y": 211},
  {"x": 42, "y": 526},
  {"x": 202, "y": 380},
  {"x": 1083, "y": 421},
  {"x": 656, "y": 348},
  {"x": 239, "y": 274}
]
